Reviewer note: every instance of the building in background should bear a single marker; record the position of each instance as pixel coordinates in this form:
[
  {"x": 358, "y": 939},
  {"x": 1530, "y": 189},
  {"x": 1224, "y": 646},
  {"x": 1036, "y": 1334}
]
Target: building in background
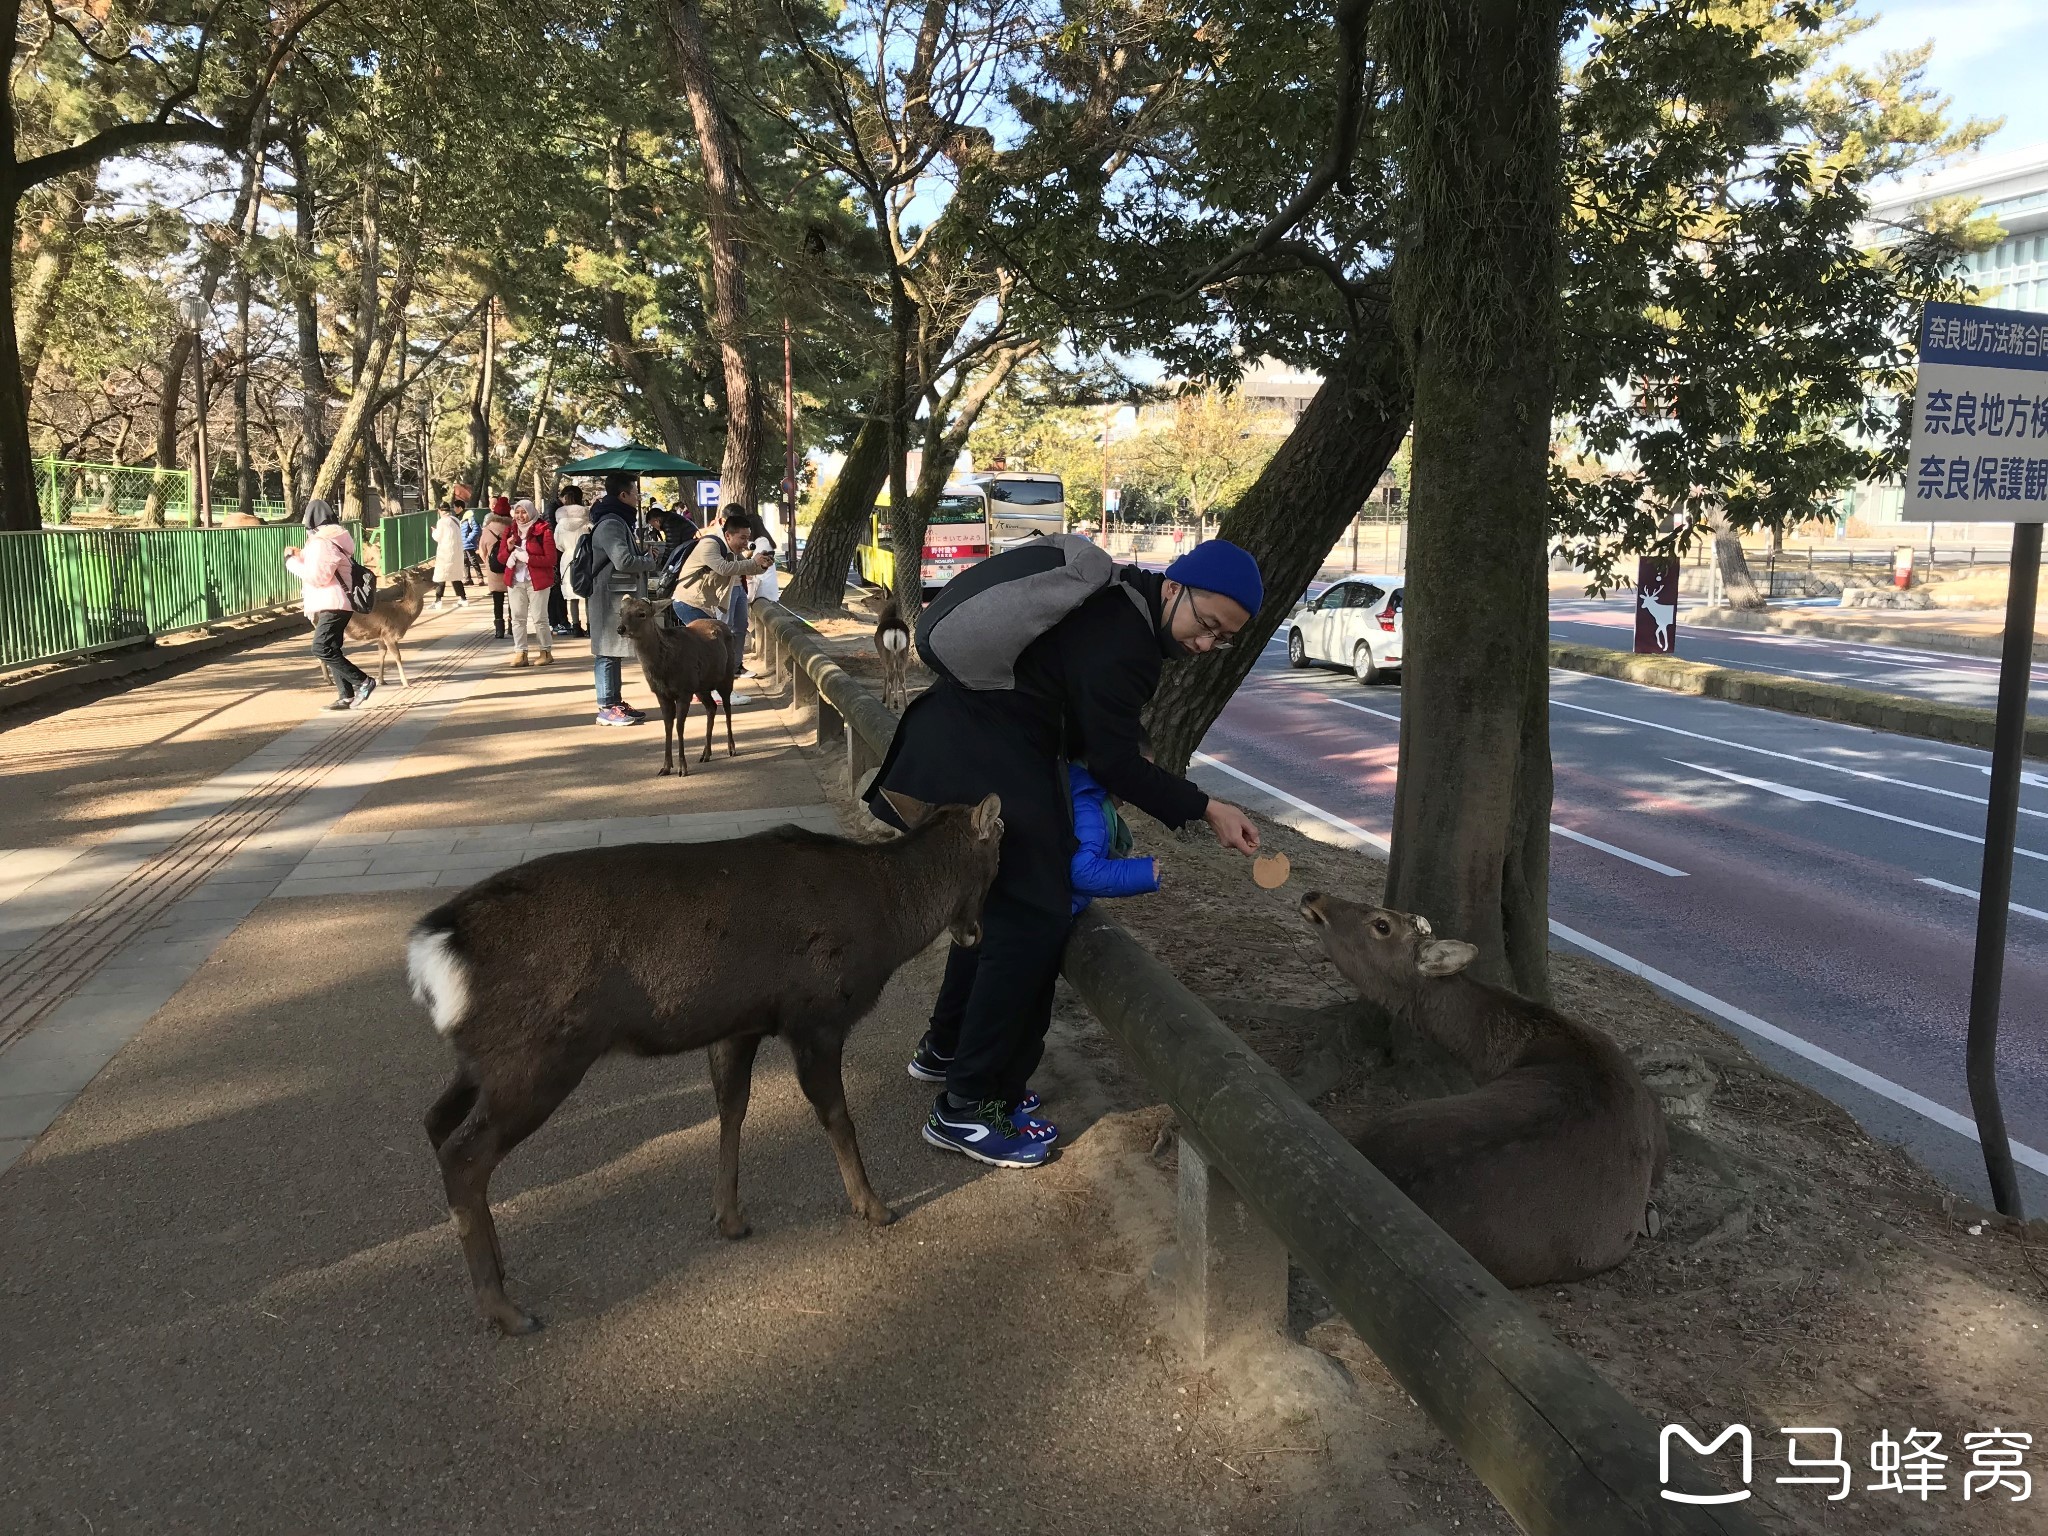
[{"x": 2013, "y": 274}]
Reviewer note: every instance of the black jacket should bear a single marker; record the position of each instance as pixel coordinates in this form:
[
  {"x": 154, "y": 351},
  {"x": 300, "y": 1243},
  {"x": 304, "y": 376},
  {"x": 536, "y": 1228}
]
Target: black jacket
[{"x": 1080, "y": 689}]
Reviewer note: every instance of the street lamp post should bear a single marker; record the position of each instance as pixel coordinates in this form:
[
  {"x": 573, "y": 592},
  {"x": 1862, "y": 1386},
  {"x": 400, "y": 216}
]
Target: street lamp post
[{"x": 193, "y": 311}]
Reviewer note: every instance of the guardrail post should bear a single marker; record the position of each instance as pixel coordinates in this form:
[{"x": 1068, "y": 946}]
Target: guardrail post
[
  {"x": 831, "y": 725},
  {"x": 1228, "y": 1272}
]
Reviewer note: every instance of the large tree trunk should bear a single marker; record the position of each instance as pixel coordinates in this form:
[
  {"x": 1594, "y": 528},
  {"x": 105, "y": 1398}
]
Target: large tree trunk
[
  {"x": 1302, "y": 501},
  {"x": 909, "y": 582},
  {"x": 306, "y": 300},
  {"x": 481, "y": 397},
  {"x": 56, "y": 243},
  {"x": 842, "y": 521},
  {"x": 1737, "y": 584},
  {"x": 691, "y": 56},
  {"x": 18, "y": 511},
  {"x": 1476, "y": 286}
]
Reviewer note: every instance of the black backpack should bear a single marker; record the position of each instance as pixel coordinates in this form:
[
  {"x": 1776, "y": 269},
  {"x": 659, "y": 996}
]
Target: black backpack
[
  {"x": 583, "y": 564},
  {"x": 980, "y": 624}
]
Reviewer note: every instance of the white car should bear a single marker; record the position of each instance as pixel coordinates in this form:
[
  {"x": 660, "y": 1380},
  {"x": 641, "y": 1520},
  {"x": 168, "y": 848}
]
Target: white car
[{"x": 1354, "y": 623}]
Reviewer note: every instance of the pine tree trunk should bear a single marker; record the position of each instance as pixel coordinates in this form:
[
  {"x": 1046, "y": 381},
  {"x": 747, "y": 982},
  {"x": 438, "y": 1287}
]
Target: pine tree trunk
[
  {"x": 1477, "y": 283},
  {"x": 1289, "y": 518},
  {"x": 18, "y": 510},
  {"x": 306, "y": 301},
  {"x": 480, "y": 400},
  {"x": 535, "y": 421},
  {"x": 1737, "y": 584},
  {"x": 843, "y": 519},
  {"x": 56, "y": 243},
  {"x": 691, "y": 56},
  {"x": 245, "y": 240},
  {"x": 909, "y": 582}
]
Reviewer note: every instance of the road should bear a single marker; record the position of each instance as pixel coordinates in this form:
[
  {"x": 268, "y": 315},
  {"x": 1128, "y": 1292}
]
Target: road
[
  {"x": 1924, "y": 674},
  {"x": 1810, "y": 880}
]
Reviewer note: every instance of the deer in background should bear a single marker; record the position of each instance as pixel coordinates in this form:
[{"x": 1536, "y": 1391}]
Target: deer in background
[
  {"x": 892, "y": 645},
  {"x": 393, "y": 614},
  {"x": 1543, "y": 1171},
  {"x": 790, "y": 933}
]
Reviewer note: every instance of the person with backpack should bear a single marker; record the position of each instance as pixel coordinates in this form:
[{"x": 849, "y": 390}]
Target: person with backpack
[
  {"x": 1041, "y": 654},
  {"x": 495, "y": 527},
  {"x": 325, "y": 568},
  {"x": 718, "y": 567},
  {"x": 612, "y": 568}
]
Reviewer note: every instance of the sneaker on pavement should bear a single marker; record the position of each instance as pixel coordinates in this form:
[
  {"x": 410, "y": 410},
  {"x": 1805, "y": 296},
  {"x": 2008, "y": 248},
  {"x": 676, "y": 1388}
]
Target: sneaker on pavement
[
  {"x": 738, "y": 697},
  {"x": 637, "y": 715},
  {"x": 985, "y": 1134},
  {"x": 342, "y": 703},
  {"x": 612, "y": 714},
  {"x": 363, "y": 691},
  {"x": 927, "y": 1065}
]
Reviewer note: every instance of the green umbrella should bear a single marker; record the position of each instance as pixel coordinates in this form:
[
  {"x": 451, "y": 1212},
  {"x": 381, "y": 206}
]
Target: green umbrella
[{"x": 636, "y": 460}]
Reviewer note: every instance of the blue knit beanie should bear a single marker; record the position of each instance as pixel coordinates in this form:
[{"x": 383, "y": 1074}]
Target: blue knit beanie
[{"x": 1219, "y": 566}]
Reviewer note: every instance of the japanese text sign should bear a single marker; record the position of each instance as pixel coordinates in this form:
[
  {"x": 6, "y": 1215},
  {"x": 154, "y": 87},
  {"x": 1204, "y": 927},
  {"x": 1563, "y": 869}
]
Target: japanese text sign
[{"x": 1980, "y": 417}]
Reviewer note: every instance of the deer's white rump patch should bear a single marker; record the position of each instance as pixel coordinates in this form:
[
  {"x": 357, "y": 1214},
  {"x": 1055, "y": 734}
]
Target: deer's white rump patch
[
  {"x": 896, "y": 639},
  {"x": 440, "y": 981}
]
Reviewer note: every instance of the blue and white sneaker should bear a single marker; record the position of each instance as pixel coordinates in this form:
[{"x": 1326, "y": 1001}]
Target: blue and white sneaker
[
  {"x": 927, "y": 1065},
  {"x": 986, "y": 1134}
]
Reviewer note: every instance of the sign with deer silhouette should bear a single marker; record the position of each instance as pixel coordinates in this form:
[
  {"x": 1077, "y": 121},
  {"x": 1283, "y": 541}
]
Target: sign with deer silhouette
[{"x": 1657, "y": 606}]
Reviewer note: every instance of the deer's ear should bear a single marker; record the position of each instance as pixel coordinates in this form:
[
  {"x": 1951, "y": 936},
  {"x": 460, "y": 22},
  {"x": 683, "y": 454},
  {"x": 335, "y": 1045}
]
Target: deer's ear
[
  {"x": 1445, "y": 957},
  {"x": 988, "y": 818}
]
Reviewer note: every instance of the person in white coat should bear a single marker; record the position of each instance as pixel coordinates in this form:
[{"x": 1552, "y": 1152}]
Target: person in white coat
[
  {"x": 448, "y": 561},
  {"x": 572, "y": 521}
]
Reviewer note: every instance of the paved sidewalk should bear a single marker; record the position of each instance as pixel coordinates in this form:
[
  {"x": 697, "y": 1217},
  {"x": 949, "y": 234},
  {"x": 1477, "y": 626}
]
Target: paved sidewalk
[{"x": 230, "y": 1297}]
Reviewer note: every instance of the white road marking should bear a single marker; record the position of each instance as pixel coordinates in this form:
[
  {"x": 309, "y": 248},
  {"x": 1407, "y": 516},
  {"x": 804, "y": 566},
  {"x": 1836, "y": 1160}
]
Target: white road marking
[
  {"x": 1741, "y": 1018},
  {"x": 1964, "y": 890},
  {"x": 1787, "y": 757},
  {"x": 1347, "y": 704},
  {"x": 1619, "y": 853},
  {"x": 1370, "y": 839},
  {"x": 1815, "y": 797}
]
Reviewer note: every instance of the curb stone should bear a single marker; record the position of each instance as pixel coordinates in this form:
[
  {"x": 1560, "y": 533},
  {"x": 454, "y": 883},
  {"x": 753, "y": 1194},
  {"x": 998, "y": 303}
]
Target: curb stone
[{"x": 1781, "y": 622}]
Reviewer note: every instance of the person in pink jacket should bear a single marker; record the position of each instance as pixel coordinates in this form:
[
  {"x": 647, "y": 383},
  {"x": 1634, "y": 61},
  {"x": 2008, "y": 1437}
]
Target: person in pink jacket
[{"x": 323, "y": 567}]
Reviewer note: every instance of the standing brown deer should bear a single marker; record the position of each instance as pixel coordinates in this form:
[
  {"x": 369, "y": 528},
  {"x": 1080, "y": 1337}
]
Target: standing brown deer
[
  {"x": 791, "y": 933},
  {"x": 1543, "y": 1171},
  {"x": 892, "y": 645},
  {"x": 681, "y": 662},
  {"x": 394, "y": 612}
]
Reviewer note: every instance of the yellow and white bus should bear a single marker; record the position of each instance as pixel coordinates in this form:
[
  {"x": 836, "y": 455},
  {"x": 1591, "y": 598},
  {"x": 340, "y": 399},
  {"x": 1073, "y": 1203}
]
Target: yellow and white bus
[{"x": 974, "y": 518}]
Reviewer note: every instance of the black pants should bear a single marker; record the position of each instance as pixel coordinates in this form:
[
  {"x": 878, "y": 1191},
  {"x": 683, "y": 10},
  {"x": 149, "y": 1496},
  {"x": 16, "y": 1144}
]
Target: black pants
[
  {"x": 558, "y": 607},
  {"x": 441, "y": 589},
  {"x": 328, "y": 629},
  {"x": 498, "y": 613},
  {"x": 995, "y": 1005}
]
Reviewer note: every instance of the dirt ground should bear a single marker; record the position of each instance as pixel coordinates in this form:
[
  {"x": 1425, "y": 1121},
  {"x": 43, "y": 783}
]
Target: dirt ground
[{"x": 1802, "y": 1274}]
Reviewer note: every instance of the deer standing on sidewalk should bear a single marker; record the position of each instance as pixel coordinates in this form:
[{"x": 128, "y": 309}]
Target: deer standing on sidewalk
[
  {"x": 791, "y": 933},
  {"x": 892, "y": 645},
  {"x": 396, "y": 609},
  {"x": 681, "y": 662}
]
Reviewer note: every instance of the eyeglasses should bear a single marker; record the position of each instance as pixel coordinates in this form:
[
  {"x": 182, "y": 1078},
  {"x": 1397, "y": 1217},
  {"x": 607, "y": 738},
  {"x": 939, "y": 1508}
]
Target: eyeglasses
[{"x": 1219, "y": 639}]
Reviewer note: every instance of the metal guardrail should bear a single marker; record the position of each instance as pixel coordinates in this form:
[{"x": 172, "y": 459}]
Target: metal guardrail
[
  {"x": 1563, "y": 1451},
  {"x": 72, "y": 591}
]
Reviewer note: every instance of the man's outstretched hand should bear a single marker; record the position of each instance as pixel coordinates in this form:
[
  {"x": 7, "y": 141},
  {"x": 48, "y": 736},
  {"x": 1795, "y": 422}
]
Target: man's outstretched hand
[{"x": 1232, "y": 827}]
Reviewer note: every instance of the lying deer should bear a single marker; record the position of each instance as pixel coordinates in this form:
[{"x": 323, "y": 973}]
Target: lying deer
[
  {"x": 527, "y": 1022},
  {"x": 892, "y": 645},
  {"x": 397, "y": 606},
  {"x": 1542, "y": 1172},
  {"x": 681, "y": 662}
]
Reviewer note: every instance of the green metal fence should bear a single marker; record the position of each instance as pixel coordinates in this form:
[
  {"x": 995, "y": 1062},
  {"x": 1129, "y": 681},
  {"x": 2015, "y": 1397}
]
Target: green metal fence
[
  {"x": 75, "y": 492},
  {"x": 404, "y": 539},
  {"x": 73, "y": 590}
]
